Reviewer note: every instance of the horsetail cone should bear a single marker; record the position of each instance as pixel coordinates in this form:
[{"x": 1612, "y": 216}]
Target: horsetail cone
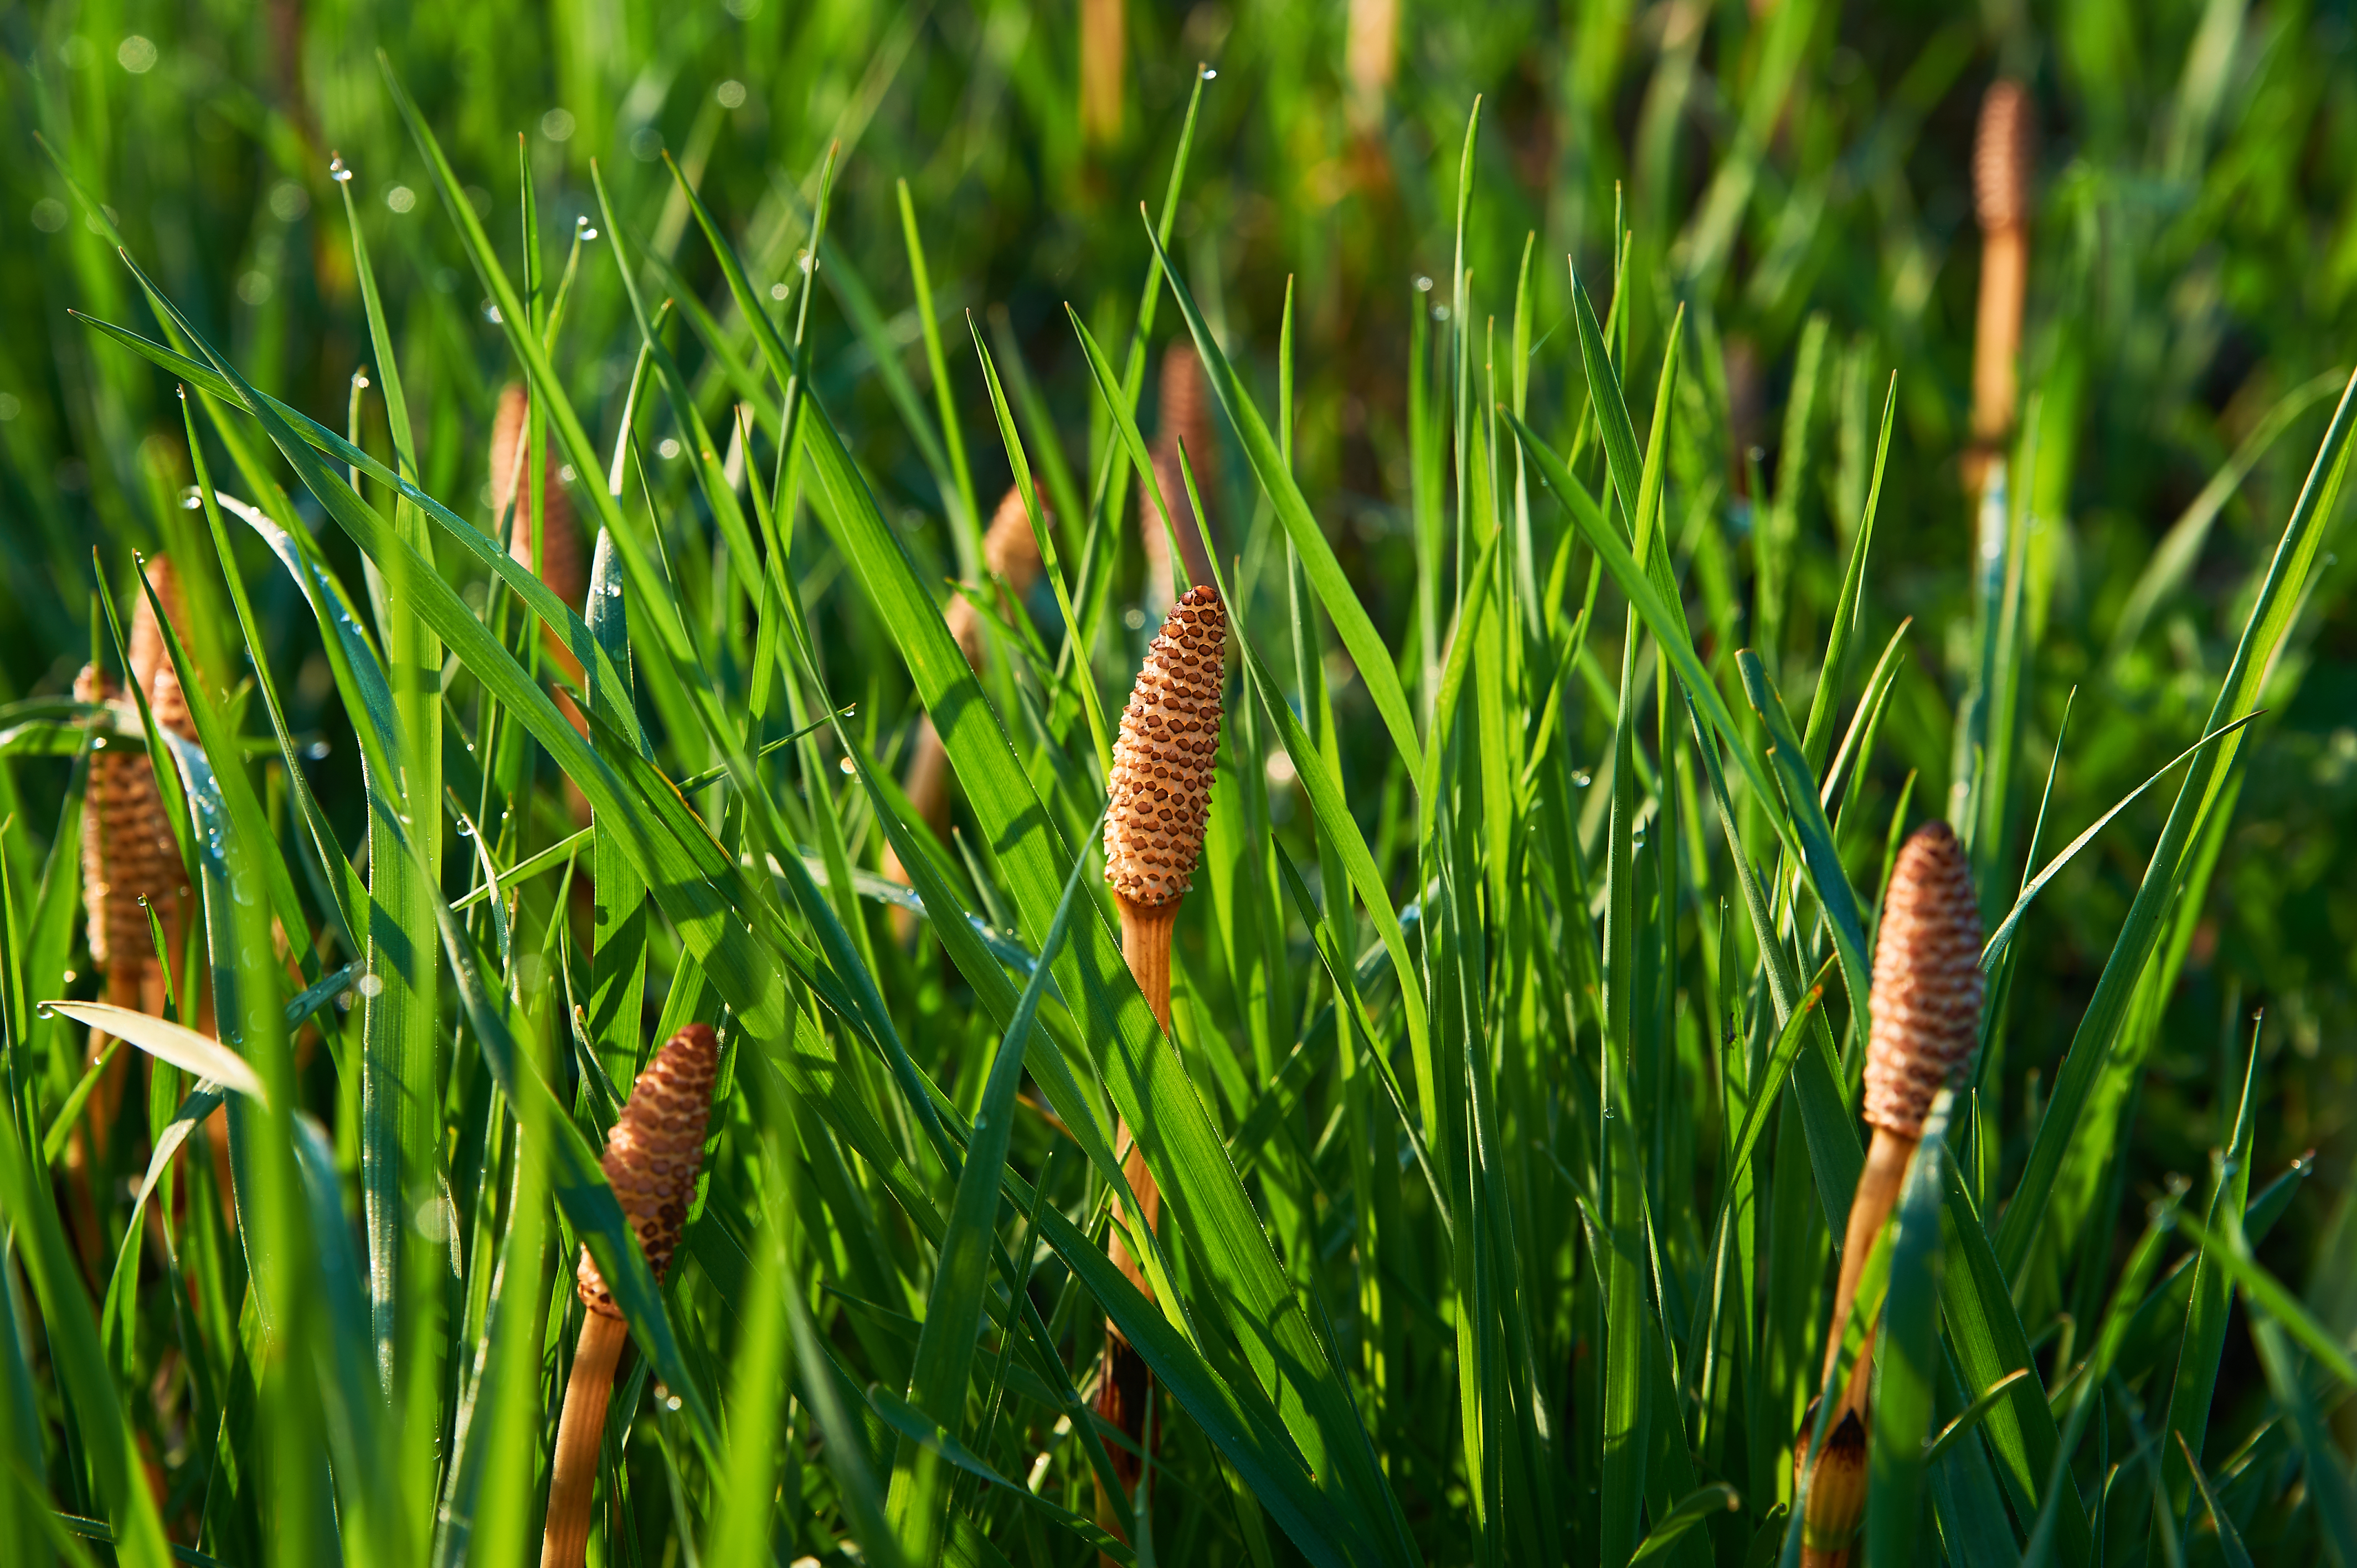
[
  {"x": 2002, "y": 171},
  {"x": 128, "y": 849},
  {"x": 1162, "y": 765},
  {"x": 654, "y": 1151},
  {"x": 651, "y": 1158},
  {"x": 1010, "y": 551},
  {"x": 2001, "y": 156},
  {"x": 1161, "y": 802},
  {"x": 1926, "y": 1000},
  {"x": 1926, "y": 1007}
]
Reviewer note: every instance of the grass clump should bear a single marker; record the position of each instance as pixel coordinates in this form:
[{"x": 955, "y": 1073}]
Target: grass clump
[{"x": 1609, "y": 506}]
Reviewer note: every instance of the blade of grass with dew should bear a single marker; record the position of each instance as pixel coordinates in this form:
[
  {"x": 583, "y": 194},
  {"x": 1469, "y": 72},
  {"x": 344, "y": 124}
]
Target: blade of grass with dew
[
  {"x": 400, "y": 1068},
  {"x": 578, "y": 1185},
  {"x": 213, "y": 379},
  {"x": 347, "y": 892}
]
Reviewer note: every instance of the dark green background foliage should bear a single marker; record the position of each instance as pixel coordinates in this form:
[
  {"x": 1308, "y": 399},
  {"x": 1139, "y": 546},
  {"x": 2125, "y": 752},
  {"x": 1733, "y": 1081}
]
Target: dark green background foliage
[{"x": 1530, "y": 1260}]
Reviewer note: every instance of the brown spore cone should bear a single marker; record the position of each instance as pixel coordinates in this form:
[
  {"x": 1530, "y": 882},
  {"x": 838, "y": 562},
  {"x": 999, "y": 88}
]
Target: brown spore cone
[
  {"x": 128, "y": 850},
  {"x": 1162, "y": 765},
  {"x": 1009, "y": 548},
  {"x": 2003, "y": 148},
  {"x": 654, "y": 1151},
  {"x": 1926, "y": 1000}
]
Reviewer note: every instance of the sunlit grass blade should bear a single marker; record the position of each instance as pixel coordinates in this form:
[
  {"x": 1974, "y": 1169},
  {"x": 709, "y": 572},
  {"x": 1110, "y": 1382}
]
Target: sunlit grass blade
[
  {"x": 945, "y": 1350},
  {"x": 2278, "y": 599},
  {"x": 1340, "y": 600}
]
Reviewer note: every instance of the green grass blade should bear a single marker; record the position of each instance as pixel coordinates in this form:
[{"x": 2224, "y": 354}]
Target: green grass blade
[
  {"x": 945, "y": 1350},
  {"x": 1340, "y": 601},
  {"x": 966, "y": 519},
  {"x": 2278, "y": 600},
  {"x": 1907, "y": 1351}
]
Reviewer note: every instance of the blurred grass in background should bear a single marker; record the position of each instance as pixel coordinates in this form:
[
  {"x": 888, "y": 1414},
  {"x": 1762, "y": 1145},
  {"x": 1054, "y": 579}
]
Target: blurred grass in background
[{"x": 1794, "y": 176}]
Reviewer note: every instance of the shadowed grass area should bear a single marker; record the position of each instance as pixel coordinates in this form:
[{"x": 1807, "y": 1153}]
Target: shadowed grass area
[{"x": 1653, "y": 460}]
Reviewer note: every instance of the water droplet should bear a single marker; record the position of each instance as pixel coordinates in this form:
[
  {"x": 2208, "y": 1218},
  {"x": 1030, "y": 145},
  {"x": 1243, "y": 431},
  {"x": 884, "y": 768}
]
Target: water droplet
[
  {"x": 368, "y": 985},
  {"x": 1209, "y": 74},
  {"x": 845, "y": 764},
  {"x": 1608, "y": 1116},
  {"x": 316, "y": 750},
  {"x": 1583, "y": 780}
]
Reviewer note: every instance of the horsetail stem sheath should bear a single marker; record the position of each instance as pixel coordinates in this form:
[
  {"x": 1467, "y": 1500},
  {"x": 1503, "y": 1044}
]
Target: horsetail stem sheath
[
  {"x": 1161, "y": 802},
  {"x": 2001, "y": 181},
  {"x": 651, "y": 1158},
  {"x": 1926, "y": 1008}
]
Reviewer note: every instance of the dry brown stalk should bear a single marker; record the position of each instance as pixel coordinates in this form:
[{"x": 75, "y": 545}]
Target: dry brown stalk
[
  {"x": 1926, "y": 1009},
  {"x": 1185, "y": 420},
  {"x": 2002, "y": 172},
  {"x": 1161, "y": 802},
  {"x": 651, "y": 1158}
]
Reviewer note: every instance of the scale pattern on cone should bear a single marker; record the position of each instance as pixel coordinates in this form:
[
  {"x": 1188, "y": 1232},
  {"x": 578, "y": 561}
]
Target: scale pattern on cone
[
  {"x": 1927, "y": 981},
  {"x": 2001, "y": 157},
  {"x": 1162, "y": 765},
  {"x": 128, "y": 851},
  {"x": 654, "y": 1151}
]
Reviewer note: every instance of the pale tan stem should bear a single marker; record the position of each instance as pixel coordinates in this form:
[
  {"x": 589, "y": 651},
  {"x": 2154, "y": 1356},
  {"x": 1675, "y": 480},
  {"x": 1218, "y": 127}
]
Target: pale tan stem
[
  {"x": 573, "y": 1482},
  {"x": 1878, "y": 1190},
  {"x": 1146, "y": 945},
  {"x": 1997, "y": 343},
  {"x": 1123, "y": 1388}
]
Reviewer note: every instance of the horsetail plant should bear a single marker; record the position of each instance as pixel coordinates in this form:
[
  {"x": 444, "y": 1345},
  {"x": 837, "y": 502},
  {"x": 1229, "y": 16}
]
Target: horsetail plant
[
  {"x": 652, "y": 1159},
  {"x": 1926, "y": 1009},
  {"x": 1160, "y": 788},
  {"x": 2003, "y": 145},
  {"x": 1481, "y": 1141}
]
